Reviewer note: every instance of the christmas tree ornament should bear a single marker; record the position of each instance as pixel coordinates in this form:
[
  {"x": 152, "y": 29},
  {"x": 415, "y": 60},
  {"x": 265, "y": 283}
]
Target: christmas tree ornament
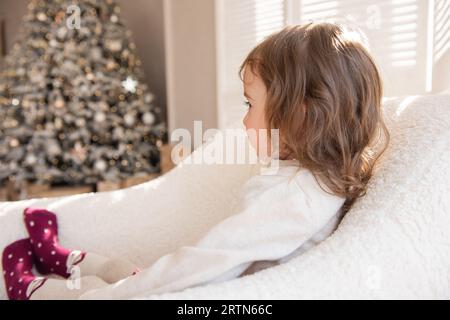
[
  {"x": 114, "y": 45},
  {"x": 100, "y": 116},
  {"x": 31, "y": 159},
  {"x": 14, "y": 143},
  {"x": 41, "y": 16},
  {"x": 80, "y": 122},
  {"x": 59, "y": 103},
  {"x": 129, "y": 119},
  {"x": 129, "y": 84},
  {"x": 149, "y": 98},
  {"x": 111, "y": 65},
  {"x": 148, "y": 118},
  {"x": 101, "y": 165}
]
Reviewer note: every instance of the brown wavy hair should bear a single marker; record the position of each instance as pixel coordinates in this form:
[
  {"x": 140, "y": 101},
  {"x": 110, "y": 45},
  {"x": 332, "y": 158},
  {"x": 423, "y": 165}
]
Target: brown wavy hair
[{"x": 324, "y": 94}]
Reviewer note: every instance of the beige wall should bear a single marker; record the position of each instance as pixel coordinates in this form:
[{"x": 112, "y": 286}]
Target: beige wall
[
  {"x": 441, "y": 74},
  {"x": 11, "y": 12},
  {"x": 191, "y": 63},
  {"x": 143, "y": 17}
]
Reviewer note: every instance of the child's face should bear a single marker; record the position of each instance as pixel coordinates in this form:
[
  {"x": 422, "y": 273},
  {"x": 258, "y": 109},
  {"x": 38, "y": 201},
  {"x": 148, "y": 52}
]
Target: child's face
[{"x": 255, "y": 91}]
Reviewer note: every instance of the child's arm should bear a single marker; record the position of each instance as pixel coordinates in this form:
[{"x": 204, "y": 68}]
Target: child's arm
[{"x": 269, "y": 226}]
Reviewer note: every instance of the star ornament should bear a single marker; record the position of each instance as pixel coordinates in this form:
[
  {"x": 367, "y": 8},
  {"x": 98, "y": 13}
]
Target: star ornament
[{"x": 130, "y": 85}]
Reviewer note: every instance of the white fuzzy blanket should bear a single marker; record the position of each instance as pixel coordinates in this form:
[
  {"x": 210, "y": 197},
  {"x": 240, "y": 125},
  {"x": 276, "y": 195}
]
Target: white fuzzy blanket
[{"x": 394, "y": 243}]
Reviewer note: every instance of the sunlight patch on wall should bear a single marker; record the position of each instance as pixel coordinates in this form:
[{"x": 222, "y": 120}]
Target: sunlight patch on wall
[
  {"x": 441, "y": 29},
  {"x": 403, "y": 33},
  {"x": 269, "y": 16}
]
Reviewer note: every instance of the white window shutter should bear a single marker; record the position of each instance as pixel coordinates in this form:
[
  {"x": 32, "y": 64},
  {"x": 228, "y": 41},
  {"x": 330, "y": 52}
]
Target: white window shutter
[
  {"x": 406, "y": 37},
  {"x": 441, "y": 29},
  {"x": 396, "y": 31}
]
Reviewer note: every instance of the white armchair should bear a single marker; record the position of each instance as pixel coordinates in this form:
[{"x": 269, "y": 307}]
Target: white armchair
[{"x": 394, "y": 243}]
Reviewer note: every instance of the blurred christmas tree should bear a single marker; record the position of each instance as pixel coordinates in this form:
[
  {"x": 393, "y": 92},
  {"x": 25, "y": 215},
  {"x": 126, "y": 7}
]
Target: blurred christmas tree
[{"x": 73, "y": 107}]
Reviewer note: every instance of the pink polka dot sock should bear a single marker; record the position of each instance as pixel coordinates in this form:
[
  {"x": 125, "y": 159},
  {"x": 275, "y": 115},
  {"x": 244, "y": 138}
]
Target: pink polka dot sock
[
  {"x": 17, "y": 262},
  {"x": 51, "y": 257}
]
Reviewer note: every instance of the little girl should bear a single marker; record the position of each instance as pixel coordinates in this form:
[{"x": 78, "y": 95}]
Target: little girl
[{"x": 319, "y": 86}]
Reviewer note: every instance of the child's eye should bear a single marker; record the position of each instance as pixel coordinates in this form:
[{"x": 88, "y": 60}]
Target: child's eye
[{"x": 248, "y": 104}]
